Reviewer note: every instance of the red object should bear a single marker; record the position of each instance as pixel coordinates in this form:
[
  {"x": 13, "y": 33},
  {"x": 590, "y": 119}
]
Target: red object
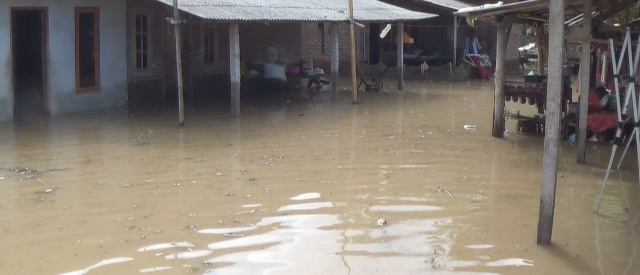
[
  {"x": 484, "y": 73},
  {"x": 601, "y": 121}
]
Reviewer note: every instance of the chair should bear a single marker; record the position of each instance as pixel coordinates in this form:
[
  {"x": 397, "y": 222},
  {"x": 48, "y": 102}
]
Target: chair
[{"x": 372, "y": 76}]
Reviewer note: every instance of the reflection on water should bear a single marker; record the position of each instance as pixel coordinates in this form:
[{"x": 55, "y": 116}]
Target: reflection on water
[{"x": 298, "y": 186}]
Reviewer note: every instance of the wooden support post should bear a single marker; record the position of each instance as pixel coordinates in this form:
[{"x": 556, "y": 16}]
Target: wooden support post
[
  {"x": 540, "y": 44},
  {"x": 178, "y": 41},
  {"x": 335, "y": 59},
  {"x": 455, "y": 39},
  {"x": 499, "y": 97},
  {"x": 234, "y": 67},
  {"x": 552, "y": 122},
  {"x": 585, "y": 70},
  {"x": 400, "y": 54},
  {"x": 354, "y": 58}
]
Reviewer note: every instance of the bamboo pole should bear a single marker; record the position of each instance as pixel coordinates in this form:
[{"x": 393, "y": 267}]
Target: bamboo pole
[
  {"x": 178, "y": 38},
  {"x": 234, "y": 67},
  {"x": 354, "y": 77},
  {"x": 552, "y": 122},
  {"x": 585, "y": 72},
  {"x": 400, "y": 55},
  {"x": 499, "y": 94}
]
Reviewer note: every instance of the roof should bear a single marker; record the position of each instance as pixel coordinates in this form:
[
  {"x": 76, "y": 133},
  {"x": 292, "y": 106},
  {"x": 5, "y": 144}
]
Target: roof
[
  {"x": 539, "y": 9},
  {"x": 495, "y": 9},
  {"x": 296, "y": 10},
  {"x": 448, "y": 4}
]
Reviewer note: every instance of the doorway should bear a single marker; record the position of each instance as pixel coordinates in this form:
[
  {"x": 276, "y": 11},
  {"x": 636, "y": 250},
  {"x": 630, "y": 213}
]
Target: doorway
[{"x": 28, "y": 44}]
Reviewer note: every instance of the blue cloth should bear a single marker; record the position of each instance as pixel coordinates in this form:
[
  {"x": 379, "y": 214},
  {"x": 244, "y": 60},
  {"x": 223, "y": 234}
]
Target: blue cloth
[{"x": 475, "y": 46}]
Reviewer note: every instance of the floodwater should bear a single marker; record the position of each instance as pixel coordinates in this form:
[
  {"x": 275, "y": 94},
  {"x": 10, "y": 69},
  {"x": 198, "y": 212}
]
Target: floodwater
[{"x": 394, "y": 185}]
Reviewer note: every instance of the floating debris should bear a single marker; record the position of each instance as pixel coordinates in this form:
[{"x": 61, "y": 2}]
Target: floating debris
[
  {"x": 446, "y": 191},
  {"x": 381, "y": 222}
]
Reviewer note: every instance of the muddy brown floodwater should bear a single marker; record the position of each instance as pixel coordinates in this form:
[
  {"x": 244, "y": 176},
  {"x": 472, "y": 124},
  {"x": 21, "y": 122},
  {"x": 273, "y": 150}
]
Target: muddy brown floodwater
[{"x": 301, "y": 186}]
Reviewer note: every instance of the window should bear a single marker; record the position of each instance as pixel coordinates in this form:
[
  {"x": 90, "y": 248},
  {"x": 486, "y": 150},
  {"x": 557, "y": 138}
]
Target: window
[
  {"x": 141, "y": 42},
  {"x": 210, "y": 44},
  {"x": 87, "y": 49}
]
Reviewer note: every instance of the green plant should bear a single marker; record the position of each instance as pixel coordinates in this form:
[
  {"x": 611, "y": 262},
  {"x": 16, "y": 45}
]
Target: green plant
[{"x": 142, "y": 138}]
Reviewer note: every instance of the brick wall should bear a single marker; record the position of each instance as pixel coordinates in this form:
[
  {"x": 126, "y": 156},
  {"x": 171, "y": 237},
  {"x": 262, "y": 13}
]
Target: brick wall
[
  {"x": 312, "y": 46},
  {"x": 255, "y": 38},
  {"x": 147, "y": 83},
  {"x": 512, "y": 57}
]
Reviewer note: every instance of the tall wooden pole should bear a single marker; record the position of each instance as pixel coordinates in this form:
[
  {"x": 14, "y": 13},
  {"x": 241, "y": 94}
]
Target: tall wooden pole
[
  {"x": 585, "y": 73},
  {"x": 455, "y": 39},
  {"x": 354, "y": 77},
  {"x": 552, "y": 122},
  {"x": 178, "y": 36},
  {"x": 234, "y": 67},
  {"x": 541, "y": 52},
  {"x": 400, "y": 55},
  {"x": 335, "y": 60},
  {"x": 499, "y": 94}
]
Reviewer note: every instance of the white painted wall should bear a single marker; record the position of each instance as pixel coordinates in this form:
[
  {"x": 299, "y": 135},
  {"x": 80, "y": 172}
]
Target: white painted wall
[
  {"x": 6, "y": 99},
  {"x": 61, "y": 56}
]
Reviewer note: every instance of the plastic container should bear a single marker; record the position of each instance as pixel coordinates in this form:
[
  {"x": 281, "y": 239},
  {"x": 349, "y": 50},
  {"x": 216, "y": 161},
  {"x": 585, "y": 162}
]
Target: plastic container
[{"x": 574, "y": 107}]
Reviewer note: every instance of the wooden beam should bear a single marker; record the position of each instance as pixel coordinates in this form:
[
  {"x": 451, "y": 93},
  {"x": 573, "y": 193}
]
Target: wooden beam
[
  {"x": 540, "y": 43},
  {"x": 499, "y": 97},
  {"x": 335, "y": 60},
  {"x": 400, "y": 54},
  {"x": 456, "y": 24},
  {"x": 234, "y": 67},
  {"x": 585, "y": 73},
  {"x": 552, "y": 122},
  {"x": 354, "y": 58},
  {"x": 178, "y": 41}
]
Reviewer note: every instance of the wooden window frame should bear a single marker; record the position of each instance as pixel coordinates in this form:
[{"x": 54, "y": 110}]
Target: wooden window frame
[
  {"x": 134, "y": 35},
  {"x": 206, "y": 26},
  {"x": 96, "y": 12}
]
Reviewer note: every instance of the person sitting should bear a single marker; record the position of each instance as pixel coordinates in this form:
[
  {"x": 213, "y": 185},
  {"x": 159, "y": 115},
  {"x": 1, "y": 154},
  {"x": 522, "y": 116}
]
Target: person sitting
[{"x": 473, "y": 49}]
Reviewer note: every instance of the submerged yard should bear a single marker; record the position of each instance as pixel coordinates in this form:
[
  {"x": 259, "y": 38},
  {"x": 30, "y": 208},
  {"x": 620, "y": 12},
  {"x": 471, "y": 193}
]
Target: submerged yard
[{"x": 394, "y": 185}]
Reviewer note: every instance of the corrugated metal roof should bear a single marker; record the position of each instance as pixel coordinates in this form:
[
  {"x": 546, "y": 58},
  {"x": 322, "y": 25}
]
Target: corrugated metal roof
[
  {"x": 295, "y": 10},
  {"x": 449, "y": 4}
]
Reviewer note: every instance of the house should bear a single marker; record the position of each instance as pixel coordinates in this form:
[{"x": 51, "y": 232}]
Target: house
[
  {"x": 430, "y": 34},
  {"x": 292, "y": 28},
  {"x": 62, "y": 56},
  {"x": 80, "y": 55}
]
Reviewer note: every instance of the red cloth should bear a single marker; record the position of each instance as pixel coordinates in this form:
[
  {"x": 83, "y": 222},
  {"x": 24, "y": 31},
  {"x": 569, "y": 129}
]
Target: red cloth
[
  {"x": 484, "y": 73},
  {"x": 601, "y": 121}
]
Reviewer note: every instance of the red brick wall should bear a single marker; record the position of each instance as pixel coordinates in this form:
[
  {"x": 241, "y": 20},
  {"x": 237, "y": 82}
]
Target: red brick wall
[
  {"x": 148, "y": 83},
  {"x": 255, "y": 38},
  {"x": 511, "y": 54},
  {"x": 312, "y": 46}
]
